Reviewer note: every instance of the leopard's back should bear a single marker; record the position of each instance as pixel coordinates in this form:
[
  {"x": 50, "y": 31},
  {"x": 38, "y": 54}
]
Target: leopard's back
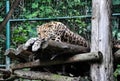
[{"x": 59, "y": 32}]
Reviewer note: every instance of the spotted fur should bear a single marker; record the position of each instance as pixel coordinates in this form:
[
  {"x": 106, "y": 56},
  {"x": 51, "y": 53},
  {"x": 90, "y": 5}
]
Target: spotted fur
[{"x": 59, "y": 32}]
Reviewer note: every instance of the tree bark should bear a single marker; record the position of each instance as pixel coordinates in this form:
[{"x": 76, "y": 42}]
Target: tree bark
[
  {"x": 42, "y": 76},
  {"x": 101, "y": 40},
  {"x": 22, "y": 53},
  {"x": 76, "y": 58}
]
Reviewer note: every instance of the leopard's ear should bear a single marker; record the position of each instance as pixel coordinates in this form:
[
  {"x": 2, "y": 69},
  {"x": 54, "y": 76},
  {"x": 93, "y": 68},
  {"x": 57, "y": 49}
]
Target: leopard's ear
[{"x": 38, "y": 26}]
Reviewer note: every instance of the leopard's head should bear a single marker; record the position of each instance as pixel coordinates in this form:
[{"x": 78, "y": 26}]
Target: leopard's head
[{"x": 45, "y": 32}]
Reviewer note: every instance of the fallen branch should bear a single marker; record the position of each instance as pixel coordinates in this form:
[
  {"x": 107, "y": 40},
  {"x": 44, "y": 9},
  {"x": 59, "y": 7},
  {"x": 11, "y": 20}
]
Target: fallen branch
[
  {"x": 22, "y": 55},
  {"x": 18, "y": 54},
  {"x": 5, "y": 73},
  {"x": 33, "y": 75},
  {"x": 76, "y": 58}
]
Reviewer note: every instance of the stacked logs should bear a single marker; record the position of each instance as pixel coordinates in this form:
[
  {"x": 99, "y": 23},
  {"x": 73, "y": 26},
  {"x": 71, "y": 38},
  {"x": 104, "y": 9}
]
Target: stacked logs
[{"x": 54, "y": 53}]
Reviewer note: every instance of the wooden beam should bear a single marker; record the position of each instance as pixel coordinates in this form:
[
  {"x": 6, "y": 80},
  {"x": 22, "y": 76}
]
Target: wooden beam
[
  {"x": 94, "y": 56},
  {"x": 34, "y": 75},
  {"x": 101, "y": 40},
  {"x": 68, "y": 47},
  {"x": 18, "y": 54},
  {"x": 22, "y": 55}
]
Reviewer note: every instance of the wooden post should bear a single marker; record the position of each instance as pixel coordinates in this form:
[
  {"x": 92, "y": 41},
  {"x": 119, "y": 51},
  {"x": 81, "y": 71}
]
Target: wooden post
[{"x": 101, "y": 40}]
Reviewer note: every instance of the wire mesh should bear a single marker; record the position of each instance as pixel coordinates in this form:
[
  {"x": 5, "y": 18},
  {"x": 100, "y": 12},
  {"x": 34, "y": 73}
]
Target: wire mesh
[
  {"x": 51, "y": 8},
  {"x": 2, "y": 35},
  {"x": 22, "y": 30},
  {"x": 2, "y": 9}
]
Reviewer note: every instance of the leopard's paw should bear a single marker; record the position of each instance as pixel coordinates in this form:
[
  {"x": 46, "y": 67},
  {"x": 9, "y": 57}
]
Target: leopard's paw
[
  {"x": 37, "y": 45},
  {"x": 29, "y": 43}
]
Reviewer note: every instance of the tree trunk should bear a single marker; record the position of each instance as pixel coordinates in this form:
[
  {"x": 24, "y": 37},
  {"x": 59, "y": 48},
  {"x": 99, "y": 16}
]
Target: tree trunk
[{"x": 101, "y": 40}]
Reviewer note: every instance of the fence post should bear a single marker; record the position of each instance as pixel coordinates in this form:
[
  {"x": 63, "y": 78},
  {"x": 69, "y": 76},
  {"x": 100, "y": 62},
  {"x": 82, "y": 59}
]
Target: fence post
[
  {"x": 101, "y": 40},
  {"x": 7, "y": 34}
]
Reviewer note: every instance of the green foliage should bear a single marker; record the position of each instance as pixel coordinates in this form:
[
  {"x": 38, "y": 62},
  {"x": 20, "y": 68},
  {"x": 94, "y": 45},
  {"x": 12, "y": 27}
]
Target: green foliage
[
  {"x": 78, "y": 25},
  {"x": 54, "y": 8},
  {"x": 116, "y": 2},
  {"x": 47, "y": 9},
  {"x": 117, "y": 72},
  {"x": 2, "y": 48},
  {"x": 22, "y": 33},
  {"x": 115, "y": 29}
]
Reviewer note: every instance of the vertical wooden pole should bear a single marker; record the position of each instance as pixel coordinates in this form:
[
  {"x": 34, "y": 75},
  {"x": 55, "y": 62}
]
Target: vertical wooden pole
[{"x": 101, "y": 40}]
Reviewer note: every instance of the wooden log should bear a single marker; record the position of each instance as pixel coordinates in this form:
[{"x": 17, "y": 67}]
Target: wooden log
[
  {"x": 101, "y": 40},
  {"x": 116, "y": 44},
  {"x": 5, "y": 73},
  {"x": 68, "y": 47},
  {"x": 11, "y": 78},
  {"x": 58, "y": 48},
  {"x": 34, "y": 75},
  {"x": 11, "y": 53},
  {"x": 36, "y": 44},
  {"x": 94, "y": 56},
  {"x": 18, "y": 54},
  {"x": 117, "y": 55}
]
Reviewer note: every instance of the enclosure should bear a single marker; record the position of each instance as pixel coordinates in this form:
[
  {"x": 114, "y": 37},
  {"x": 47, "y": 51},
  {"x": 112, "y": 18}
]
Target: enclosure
[{"x": 75, "y": 14}]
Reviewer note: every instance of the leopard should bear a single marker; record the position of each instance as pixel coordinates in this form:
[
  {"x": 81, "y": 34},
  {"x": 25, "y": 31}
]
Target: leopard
[{"x": 59, "y": 32}]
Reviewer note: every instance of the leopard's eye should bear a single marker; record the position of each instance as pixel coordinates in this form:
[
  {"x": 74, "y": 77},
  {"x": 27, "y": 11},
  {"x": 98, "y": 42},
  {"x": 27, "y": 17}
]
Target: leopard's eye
[
  {"x": 44, "y": 31},
  {"x": 38, "y": 33}
]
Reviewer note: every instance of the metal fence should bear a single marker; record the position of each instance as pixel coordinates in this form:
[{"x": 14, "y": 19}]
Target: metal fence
[{"x": 31, "y": 13}]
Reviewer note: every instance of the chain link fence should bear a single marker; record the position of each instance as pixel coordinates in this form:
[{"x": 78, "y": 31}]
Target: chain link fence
[{"x": 76, "y": 14}]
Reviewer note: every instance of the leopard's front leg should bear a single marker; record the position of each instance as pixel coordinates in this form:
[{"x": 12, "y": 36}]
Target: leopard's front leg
[
  {"x": 29, "y": 43},
  {"x": 37, "y": 45}
]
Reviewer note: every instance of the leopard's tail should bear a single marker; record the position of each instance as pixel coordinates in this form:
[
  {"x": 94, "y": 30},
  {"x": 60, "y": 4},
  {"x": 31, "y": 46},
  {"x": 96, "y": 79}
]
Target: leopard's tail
[{"x": 74, "y": 38}]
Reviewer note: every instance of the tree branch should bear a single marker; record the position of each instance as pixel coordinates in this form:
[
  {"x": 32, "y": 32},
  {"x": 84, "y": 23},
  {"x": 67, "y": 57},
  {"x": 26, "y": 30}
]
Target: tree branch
[
  {"x": 76, "y": 58},
  {"x": 53, "y": 48},
  {"x": 34, "y": 75},
  {"x": 2, "y": 25}
]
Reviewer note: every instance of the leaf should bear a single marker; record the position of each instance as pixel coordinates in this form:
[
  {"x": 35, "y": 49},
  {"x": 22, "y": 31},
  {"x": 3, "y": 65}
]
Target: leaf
[
  {"x": 1, "y": 19},
  {"x": 114, "y": 32},
  {"x": 48, "y": 11},
  {"x": 0, "y": 4},
  {"x": 34, "y": 5},
  {"x": 118, "y": 36}
]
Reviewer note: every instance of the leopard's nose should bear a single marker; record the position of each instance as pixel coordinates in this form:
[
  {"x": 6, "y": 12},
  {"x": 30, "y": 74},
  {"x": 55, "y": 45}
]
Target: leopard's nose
[{"x": 43, "y": 39}]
